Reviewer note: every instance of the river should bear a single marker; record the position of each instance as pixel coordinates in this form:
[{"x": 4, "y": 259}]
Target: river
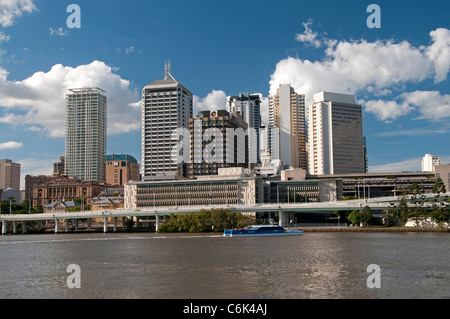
[{"x": 195, "y": 266}]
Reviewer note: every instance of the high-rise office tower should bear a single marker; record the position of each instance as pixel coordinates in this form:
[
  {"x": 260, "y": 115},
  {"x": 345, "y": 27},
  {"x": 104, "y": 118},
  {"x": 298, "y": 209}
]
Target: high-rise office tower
[
  {"x": 166, "y": 107},
  {"x": 335, "y": 135},
  {"x": 287, "y": 114},
  {"x": 269, "y": 138},
  {"x": 248, "y": 107},
  {"x": 85, "y": 134},
  {"x": 429, "y": 162},
  {"x": 218, "y": 140},
  {"x": 9, "y": 174}
]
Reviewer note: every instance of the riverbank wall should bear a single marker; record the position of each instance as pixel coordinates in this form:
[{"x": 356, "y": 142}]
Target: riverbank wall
[{"x": 371, "y": 229}]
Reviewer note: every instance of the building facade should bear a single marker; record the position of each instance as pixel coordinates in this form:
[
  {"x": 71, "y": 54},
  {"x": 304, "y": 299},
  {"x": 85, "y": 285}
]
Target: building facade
[
  {"x": 85, "y": 148},
  {"x": 65, "y": 189},
  {"x": 9, "y": 174},
  {"x": 287, "y": 114},
  {"x": 59, "y": 167},
  {"x": 218, "y": 140},
  {"x": 249, "y": 108},
  {"x": 443, "y": 171},
  {"x": 371, "y": 185},
  {"x": 230, "y": 186},
  {"x": 121, "y": 168},
  {"x": 166, "y": 110},
  {"x": 429, "y": 162},
  {"x": 335, "y": 135}
]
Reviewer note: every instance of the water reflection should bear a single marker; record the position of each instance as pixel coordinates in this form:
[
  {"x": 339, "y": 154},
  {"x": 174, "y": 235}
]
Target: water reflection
[{"x": 315, "y": 265}]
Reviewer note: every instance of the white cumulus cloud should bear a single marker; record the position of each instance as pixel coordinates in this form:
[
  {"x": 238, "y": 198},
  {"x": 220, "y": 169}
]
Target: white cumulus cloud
[
  {"x": 59, "y": 32},
  {"x": 439, "y": 53},
  {"x": 371, "y": 68},
  {"x": 10, "y": 145},
  {"x": 215, "y": 100},
  {"x": 432, "y": 105},
  {"x": 38, "y": 102},
  {"x": 308, "y": 35},
  {"x": 10, "y": 10}
]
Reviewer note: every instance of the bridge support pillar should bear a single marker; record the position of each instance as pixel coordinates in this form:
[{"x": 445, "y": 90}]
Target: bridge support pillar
[
  {"x": 105, "y": 224},
  {"x": 4, "y": 223},
  {"x": 285, "y": 218},
  {"x": 76, "y": 224},
  {"x": 89, "y": 224},
  {"x": 156, "y": 222},
  {"x": 14, "y": 227},
  {"x": 67, "y": 225},
  {"x": 115, "y": 224},
  {"x": 24, "y": 227},
  {"x": 39, "y": 225},
  {"x": 123, "y": 223},
  {"x": 56, "y": 226}
]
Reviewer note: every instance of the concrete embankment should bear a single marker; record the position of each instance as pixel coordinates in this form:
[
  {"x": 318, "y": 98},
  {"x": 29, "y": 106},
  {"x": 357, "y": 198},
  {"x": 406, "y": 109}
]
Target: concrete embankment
[{"x": 370, "y": 229}]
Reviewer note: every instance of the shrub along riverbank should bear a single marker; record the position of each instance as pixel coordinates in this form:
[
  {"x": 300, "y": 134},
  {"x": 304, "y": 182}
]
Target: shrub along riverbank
[{"x": 215, "y": 220}]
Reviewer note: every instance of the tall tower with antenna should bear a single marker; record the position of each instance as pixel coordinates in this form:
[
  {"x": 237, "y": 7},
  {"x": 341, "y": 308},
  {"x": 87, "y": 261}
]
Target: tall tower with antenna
[
  {"x": 166, "y": 106},
  {"x": 167, "y": 74}
]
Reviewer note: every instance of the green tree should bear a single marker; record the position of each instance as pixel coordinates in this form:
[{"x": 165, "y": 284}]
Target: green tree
[
  {"x": 417, "y": 211},
  {"x": 440, "y": 212},
  {"x": 215, "y": 220},
  {"x": 361, "y": 217},
  {"x": 354, "y": 217},
  {"x": 439, "y": 186},
  {"x": 398, "y": 214},
  {"x": 366, "y": 215}
]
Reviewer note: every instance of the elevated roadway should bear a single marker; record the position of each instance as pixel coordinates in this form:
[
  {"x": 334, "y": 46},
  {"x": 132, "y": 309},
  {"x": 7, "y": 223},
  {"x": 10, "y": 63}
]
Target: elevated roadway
[{"x": 285, "y": 211}]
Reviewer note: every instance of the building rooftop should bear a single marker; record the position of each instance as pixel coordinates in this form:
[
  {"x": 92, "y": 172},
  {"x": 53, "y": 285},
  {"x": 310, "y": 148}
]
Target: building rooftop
[
  {"x": 121, "y": 157},
  {"x": 168, "y": 82}
]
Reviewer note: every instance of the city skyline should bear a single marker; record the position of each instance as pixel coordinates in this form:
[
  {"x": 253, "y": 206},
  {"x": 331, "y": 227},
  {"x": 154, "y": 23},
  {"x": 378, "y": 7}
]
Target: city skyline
[{"x": 398, "y": 73}]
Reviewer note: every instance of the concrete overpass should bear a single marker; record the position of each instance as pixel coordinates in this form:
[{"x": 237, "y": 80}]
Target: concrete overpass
[{"x": 285, "y": 210}]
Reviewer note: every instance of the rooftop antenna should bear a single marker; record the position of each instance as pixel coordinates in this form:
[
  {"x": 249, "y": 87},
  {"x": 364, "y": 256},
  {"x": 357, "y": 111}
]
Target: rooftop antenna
[{"x": 167, "y": 70}]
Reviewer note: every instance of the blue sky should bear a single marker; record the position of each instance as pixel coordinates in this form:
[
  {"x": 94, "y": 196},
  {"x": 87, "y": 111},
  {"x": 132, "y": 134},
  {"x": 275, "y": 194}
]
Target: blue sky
[{"x": 399, "y": 72}]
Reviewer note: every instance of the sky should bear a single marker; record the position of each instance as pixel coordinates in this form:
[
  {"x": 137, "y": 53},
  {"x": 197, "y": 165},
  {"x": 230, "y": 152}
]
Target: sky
[{"x": 398, "y": 72}]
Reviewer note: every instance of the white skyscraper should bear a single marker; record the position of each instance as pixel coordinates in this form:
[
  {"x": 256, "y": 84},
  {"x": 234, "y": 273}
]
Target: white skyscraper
[
  {"x": 429, "y": 162},
  {"x": 287, "y": 114},
  {"x": 166, "y": 107},
  {"x": 86, "y": 134},
  {"x": 248, "y": 107},
  {"x": 335, "y": 135}
]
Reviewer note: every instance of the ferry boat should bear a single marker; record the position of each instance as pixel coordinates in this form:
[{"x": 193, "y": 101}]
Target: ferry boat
[{"x": 262, "y": 230}]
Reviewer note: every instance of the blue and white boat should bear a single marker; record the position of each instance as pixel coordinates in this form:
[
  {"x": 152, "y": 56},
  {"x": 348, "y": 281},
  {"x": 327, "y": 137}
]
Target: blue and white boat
[{"x": 262, "y": 230}]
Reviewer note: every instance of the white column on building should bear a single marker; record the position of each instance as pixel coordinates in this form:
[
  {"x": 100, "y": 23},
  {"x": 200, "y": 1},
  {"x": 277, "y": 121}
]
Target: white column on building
[
  {"x": 156, "y": 222},
  {"x": 4, "y": 223}
]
